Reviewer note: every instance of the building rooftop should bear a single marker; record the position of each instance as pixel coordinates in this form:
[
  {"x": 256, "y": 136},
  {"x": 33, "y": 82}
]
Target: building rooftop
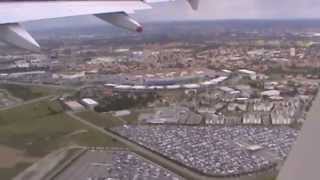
[{"x": 89, "y": 101}]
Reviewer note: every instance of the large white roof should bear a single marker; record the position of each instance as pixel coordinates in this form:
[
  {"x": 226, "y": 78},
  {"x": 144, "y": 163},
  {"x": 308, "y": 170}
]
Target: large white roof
[{"x": 89, "y": 101}]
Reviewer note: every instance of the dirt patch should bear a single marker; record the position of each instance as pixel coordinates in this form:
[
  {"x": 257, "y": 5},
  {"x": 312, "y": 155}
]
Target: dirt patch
[{"x": 9, "y": 157}]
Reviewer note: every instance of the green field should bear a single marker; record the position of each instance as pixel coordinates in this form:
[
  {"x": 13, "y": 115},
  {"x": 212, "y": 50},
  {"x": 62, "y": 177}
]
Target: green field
[
  {"x": 9, "y": 173},
  {"x": 132, "y": 118},
  {"x": 5, "y": 94},
  {"x": 25, "y": 92},
  {"x": 42, "y": 127},
  {"x": 105, "y": 120},
  {"x": 268, "y": 178},
  {"x": 39, "y": 128},
  {"x": 31, "y": 92}
]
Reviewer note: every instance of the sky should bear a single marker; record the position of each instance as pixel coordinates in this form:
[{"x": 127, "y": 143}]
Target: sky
[{"x": 215, "y": 10}]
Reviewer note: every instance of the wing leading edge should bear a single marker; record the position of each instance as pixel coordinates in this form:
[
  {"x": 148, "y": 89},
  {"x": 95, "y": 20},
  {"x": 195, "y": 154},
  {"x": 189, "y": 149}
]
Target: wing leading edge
[{"x": 114, "y": 11}]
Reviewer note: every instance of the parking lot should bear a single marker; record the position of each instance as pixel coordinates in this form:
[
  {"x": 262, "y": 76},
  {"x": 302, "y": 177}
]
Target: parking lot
[
  {"x": 216, "y": 150},
  {"x": 116, "y": 164}
]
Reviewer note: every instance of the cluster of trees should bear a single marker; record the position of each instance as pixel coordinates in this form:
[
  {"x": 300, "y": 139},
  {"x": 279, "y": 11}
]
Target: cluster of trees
[{"x": 125, "y": 101}]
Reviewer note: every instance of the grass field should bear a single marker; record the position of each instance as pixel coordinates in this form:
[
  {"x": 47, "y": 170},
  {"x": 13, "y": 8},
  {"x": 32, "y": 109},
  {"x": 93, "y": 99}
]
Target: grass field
[
  {"x": 268, "y": 178},
  {"x": 5, "y": 94},
  {"x": 132, "y": 118},
  {"x": 9, "y": 173},
  {"x": 31, "y": 92},
  {"x": 39, "y": 128},
  {"x": 105, "y": 120},
  {"x": 108, "y": 120},
  {"x": 25, "y": 92}
]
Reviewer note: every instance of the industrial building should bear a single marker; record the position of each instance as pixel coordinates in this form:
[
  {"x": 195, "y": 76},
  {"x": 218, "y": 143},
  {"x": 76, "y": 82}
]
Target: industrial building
[{"x": 89, "y": 103}]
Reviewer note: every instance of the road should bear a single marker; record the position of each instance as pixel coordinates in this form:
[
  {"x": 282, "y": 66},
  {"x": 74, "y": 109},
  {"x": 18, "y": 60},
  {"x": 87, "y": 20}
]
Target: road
[
  {"x": 47, "y": 167},
  {"x": 155, "y": 157}
]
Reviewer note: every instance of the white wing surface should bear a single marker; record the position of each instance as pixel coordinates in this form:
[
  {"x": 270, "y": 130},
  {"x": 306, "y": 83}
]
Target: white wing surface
[
  {"x": 12, "y": 12},
  {"x": 113, "y": 11}
]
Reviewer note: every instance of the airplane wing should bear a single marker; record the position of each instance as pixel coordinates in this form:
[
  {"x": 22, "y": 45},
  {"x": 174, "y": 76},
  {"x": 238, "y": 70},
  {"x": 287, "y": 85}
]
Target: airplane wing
[
  {"x": 12, "y": 12},
  {"x": 113, "y": 11}
]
